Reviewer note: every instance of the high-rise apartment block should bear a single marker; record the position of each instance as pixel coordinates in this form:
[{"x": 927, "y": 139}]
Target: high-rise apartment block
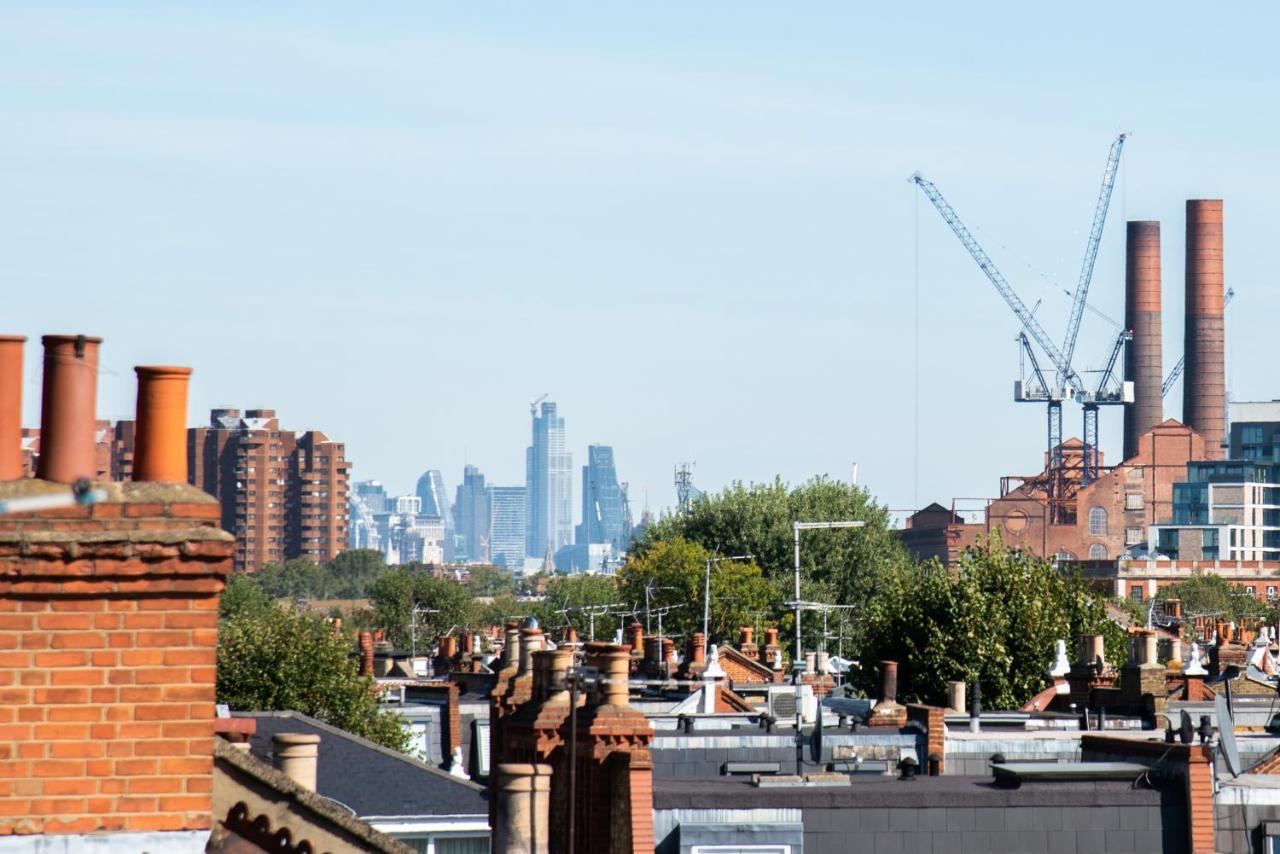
[
  {"x": 283, "y": 494},
  {"x": 506, "y": 526},
  {"x": 471, "y": 518},
  {"x": 548, "y": 484}
]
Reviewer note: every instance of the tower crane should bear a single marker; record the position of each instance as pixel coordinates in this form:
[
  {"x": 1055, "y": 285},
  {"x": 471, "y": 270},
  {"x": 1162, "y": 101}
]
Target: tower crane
[{"x": 1067, "y": 383}]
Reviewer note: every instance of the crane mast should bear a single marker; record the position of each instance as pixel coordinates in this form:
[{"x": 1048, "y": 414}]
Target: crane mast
[{"x": 1091, "y": 247}]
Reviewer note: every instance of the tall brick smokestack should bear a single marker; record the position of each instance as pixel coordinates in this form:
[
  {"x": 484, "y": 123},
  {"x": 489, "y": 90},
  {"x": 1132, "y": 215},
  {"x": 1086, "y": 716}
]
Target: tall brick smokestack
[
  {"x": 1142, "y": 363},
  {"x": 1204, "y": 386}
]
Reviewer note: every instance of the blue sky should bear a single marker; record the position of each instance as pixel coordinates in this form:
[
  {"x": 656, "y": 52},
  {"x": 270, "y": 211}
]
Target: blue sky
[{"x": 399, "y": 223}]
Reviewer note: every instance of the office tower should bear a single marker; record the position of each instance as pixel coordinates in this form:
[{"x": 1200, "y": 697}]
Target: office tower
[
  {"x": 606, "y": 517},
  {"x": 283, "y": 495},
  {"x": 471, "y": 518},
  {"x": 435, "y": 499},
  {"x": 507, "y": 526},
  {"x": 373, "y": 494},
  {"x": 548, "y": 484}
]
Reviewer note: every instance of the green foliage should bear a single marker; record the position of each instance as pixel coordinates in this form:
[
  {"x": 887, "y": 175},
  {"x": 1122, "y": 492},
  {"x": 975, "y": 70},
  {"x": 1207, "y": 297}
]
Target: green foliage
[
  {"x": 1209, "y": 594},
  {"x": 243, "y": 595},
  {"x": 838, "y": 566},
  {"x": 675, "y": 571},
  {"x": 348, "y": 576},
  {"x": 442, "y": 603},
  {"x": 574, "y": 592},
  {"x": 994, "y": 619},
  {"x": 270, "y": 659},
  {"x": 490, "y": 581}
]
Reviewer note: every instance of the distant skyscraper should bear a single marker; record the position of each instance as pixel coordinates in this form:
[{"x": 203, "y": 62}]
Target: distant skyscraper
[
  {"x": 606, "y": 517},
  {"x": 506, "y": 526},
  {"x": 549, "y": 486},
  {"x": 435, "y": 499},
  {"x": 471, "y": 518},
  {"x": 373, "y": 493}
]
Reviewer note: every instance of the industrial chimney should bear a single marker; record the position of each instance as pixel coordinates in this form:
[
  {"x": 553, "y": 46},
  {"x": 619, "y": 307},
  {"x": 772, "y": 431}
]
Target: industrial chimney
[
  {"x": 1204, "y": 390},
  {"x": 1142, "y": 362}
]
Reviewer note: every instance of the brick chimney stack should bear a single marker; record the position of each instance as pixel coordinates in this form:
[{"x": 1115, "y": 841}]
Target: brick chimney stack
[{"x": 108, "y": 619}]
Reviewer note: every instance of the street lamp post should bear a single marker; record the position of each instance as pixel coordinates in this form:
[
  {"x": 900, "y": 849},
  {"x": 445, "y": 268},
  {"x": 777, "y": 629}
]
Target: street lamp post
[{"x": 798, "y": 666}]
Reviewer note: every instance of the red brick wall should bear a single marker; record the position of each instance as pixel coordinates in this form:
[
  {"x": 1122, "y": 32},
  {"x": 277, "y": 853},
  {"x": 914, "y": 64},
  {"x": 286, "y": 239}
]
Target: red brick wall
[{"x": 108, "y": 634}]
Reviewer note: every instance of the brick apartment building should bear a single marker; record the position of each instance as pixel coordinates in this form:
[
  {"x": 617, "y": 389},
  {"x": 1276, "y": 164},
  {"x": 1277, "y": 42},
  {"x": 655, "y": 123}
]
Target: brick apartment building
[
  {"x": 283, "y": 494},
  {"x": 113, "y": 450}
]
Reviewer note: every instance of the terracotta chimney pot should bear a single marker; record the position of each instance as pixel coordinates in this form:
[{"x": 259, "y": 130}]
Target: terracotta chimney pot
[
  {"x": 68, "y": 409},
  {"x": 888, "y": 681},
  {"x": 160, "y": 446},
  {"x": 747, "y": 633},
  {"x": 366, "y": 654},
  {"x": 11, "y": 347},
  {"x": 297, "y": 755}
]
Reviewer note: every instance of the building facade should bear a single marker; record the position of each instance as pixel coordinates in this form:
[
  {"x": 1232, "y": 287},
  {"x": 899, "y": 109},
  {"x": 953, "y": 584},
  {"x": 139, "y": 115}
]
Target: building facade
[
  {"x": 506, "y": 526},
  {"x": 1225, "y": 510},
  {"x": 548, "y": 485},
  {"x": 284, "y": 495},
  {"x": 1255, "y": 430}
]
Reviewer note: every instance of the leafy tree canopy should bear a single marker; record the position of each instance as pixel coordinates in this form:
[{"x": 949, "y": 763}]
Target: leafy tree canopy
[
  {"x": 271, "y": 659},
  {"x": 1209, "y": 594},
  {"x": 567, "y": 598},
  {"x": 675, "y": 573},
  {"x": 490, "y": 581},
  {"x": 350, "y": 575},
  {"x": 442, "y": 604},
  {"x": 994, "y": 619}
]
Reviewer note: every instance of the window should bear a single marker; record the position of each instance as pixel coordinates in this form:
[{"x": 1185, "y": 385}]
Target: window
[
  {"x": 1133, "y": 536},
  {"x": 1064, "y": 554},
  {"x": 1135, "y": 593},
  {"x": 1133, "y": 501},
  {"x": 1097, "y": 551},
  {"x": 1271, "y": 593},
  {"x": 1248, "y": 588},
  {"x": 1097, "y": 522}
]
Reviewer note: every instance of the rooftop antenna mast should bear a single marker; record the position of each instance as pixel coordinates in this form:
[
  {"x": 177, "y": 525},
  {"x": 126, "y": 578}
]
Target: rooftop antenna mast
[{"x": 684, "y": 487}]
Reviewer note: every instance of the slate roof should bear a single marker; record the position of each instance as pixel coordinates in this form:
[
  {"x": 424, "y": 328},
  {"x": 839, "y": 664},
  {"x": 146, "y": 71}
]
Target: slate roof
[{"x": 370, "y": 779}]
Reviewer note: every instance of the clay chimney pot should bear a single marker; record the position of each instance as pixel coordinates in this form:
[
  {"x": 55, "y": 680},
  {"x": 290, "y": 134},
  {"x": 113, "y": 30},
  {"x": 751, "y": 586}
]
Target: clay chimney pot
[
  {"x": 11, "y": 347},
  {"x": 296, "y": 755},
  {"x": 68, "y": 408},
  {"x": 160, "y": 446}
]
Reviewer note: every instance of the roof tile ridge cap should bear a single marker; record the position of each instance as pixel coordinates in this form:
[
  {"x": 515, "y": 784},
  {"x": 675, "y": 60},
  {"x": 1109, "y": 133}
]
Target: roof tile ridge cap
[
  {"x": 364, "y": 742},
  {"x": 264, "y": 772}
]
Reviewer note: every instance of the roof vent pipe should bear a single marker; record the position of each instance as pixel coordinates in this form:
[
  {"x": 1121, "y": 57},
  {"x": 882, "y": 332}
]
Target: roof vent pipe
[
  {"x": 11, "y": 406},
  {"x": 68, "y": 408},
  {"x": 160, "y": 445}
]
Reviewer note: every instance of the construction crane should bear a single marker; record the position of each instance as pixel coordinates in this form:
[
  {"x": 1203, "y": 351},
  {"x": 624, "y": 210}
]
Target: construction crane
[
  {"x": 1172, "y": 379},
  {"x": 1067, "y": 382}
]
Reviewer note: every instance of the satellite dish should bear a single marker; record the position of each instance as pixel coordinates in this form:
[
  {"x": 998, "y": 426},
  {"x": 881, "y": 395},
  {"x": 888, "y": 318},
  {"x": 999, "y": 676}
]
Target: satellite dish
[{"x": 1227, "y": 735}]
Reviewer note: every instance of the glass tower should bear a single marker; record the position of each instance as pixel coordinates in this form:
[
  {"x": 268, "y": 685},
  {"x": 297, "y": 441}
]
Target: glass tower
[
  {"x": 548, "y": 485},
  {"x": 506, "y": 526},
  {"x": 471, "y": 518},
  {"x": 606, "y": 517}
]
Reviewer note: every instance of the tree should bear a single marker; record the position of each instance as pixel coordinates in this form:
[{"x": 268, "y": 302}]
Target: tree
[
  {"x": 675, "y": 573},
  {"x": 1209, "y": 594},
  {"x": 444, "y": 604},
  {"x": 354, "y": 572},
  {"x": 272, "y": 659},
  {"x": 994, "y": 619},
  {"x": 574, "y": 593},
  {"x": 243, "y": 595},
  {"x": 490, "y": 581},
  {"x": 299, "y": 578},
  {"x": 837, "y": 566}
]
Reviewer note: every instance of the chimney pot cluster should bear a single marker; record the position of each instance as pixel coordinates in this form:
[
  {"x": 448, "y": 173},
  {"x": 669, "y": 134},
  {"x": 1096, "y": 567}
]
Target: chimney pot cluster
[{"x": 68, "y": 413}]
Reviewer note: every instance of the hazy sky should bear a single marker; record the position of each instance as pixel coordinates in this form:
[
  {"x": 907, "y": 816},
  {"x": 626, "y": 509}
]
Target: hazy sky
[{"x": 690, "y": 223}]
